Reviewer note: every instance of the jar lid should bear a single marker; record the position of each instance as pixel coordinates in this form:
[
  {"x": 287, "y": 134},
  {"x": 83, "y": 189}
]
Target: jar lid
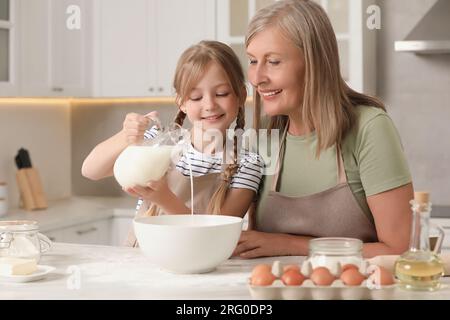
[
  {"x": 335, "y": 246},
  {"x": 19, "y": 225}
]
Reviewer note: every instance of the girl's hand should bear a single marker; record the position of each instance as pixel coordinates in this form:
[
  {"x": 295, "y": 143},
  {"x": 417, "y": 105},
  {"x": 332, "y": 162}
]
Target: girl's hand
[
  {"x": 254, "y": 244},
  {"x": 135, "y": 125},
  {"x": 156, "y": 192}
]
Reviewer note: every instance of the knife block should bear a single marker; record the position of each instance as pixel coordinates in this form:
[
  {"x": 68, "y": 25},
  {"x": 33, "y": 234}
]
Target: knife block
[{"x": 31, "y": 192}]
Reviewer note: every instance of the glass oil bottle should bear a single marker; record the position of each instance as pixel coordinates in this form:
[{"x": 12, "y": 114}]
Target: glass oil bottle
[{"x": 419, "y": 268}]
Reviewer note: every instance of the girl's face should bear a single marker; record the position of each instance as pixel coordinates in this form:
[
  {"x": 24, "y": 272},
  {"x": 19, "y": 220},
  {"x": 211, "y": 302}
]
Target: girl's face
[
  {"x": 212, "y": 103},
  {"x": 277, "y": 71}
]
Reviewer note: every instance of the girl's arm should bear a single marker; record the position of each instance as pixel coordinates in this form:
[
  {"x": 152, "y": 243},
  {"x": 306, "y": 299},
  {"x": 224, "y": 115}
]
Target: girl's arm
[
  {"x": 100, "y": 162},
  {"x": 391, "y": 212}
]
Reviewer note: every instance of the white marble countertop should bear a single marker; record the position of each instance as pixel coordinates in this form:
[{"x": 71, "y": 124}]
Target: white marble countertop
[
  {"x": 75, "y": 210},
  {"x": 101, "y": 272}
]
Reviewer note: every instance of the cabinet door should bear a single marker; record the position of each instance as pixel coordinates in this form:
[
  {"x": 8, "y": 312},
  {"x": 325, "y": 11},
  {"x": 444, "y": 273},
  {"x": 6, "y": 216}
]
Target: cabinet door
[
  {"x": 89, "y": 233},
  {"x": 71, "y": 26},
  {"x": 180, "y": 24},
  {"x": 120, "y": 227},
  {"x": 8, "y": 48},
  {"x": 35, "y": 44},
  {"x": 124, "y": 48}
]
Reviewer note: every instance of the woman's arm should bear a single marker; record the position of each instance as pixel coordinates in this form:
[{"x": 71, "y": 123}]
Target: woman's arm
[
  {"x": 237, "y": 202},
  {"x": 393, "y": 219}
]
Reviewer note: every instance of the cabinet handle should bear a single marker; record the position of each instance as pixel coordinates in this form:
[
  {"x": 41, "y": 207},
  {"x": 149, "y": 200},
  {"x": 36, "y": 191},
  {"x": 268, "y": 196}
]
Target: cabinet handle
[
  {"x": 52, "y": 238},
  {"x": 57, "y": 89},
  {"x": 446, "y": 227},
  {"x": 81, "y": 232},
  {"x": 151, "y": 89},
  {"x": 160, "y": 89}
]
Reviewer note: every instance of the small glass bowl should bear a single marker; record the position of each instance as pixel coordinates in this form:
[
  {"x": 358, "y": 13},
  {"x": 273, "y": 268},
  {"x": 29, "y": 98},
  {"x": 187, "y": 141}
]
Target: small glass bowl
[{"x": 333, "y": 253}]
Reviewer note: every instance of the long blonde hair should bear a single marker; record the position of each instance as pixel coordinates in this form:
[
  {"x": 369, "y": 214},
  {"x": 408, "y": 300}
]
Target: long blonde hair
[
  {"x": 328, "y": 105},
  {"x": 190, "y": 69}
]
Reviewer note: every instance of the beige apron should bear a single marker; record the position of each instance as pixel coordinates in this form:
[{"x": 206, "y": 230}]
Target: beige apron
[
  {"x": 330, "y": 213},
  {"x": 204, "y": 188}
]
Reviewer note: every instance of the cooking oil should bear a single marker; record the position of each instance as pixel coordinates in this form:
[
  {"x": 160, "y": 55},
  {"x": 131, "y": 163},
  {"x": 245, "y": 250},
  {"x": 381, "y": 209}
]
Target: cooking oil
[
  {"x": 419, "y": 268},
  {"x": 419, "y": 271}
]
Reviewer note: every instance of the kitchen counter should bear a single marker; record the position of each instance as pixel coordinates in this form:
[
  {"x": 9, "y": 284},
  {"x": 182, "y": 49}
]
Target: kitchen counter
[
  {"x": 101, "y": 272},
  {"x": 75, "y": 210}
]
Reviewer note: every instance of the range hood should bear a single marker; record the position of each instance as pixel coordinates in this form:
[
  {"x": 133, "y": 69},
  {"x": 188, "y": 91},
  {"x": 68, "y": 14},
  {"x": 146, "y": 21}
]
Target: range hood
[{"x": 432, "y": 33}]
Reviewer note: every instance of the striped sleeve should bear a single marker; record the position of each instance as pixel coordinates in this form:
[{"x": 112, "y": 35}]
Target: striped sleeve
[
  {"x": 249, "y": 173},
  {"x": 151, "y": 133}
]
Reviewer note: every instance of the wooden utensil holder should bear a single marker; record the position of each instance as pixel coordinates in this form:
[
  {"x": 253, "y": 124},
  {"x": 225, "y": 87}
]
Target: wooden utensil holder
[{"x": 31, "y": 192}]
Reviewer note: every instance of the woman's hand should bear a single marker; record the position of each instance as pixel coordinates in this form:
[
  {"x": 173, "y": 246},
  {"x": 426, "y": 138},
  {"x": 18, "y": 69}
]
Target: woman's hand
[
  {"x": 254, "y": 244},
  {"x": 157, "y": 192}
]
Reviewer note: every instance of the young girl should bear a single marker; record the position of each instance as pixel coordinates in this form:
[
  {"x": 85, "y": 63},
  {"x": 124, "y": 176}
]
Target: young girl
[{"x": 210, "y": 91}]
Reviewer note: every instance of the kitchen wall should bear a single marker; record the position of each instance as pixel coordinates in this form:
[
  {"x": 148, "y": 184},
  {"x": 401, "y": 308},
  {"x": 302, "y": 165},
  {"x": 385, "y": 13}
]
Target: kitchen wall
[
  {"x": 42, "y": 127},
  {"x": 416, "y": 90}
]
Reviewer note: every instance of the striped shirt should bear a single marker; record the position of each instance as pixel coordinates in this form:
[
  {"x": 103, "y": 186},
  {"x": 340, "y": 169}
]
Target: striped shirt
[{"x": 247, "y": 176}]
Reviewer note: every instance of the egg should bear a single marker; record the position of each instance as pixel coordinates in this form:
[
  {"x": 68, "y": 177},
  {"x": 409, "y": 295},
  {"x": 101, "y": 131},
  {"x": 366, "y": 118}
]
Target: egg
[
  {"x": 292, "y": 278},
  {"x": 262, "y": 275},
  {"x": 352, "y": 277},
  {"x": 380, "y": 276},
  {"x": 349, "y": 266},
  {"x": 291, "y": 267},
  {"x": 261, "y": 268},
  {"x": 321, "y": 276},
  {"x": 263, "y": 279}
]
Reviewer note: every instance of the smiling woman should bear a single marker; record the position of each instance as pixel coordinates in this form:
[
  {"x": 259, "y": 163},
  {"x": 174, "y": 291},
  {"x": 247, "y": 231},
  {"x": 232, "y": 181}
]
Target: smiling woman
[{"x": 342, "y": 171}]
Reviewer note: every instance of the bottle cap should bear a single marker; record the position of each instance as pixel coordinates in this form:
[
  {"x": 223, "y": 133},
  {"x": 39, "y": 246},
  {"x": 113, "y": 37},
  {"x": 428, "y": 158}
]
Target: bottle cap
[{"x": 422, "y": 197}]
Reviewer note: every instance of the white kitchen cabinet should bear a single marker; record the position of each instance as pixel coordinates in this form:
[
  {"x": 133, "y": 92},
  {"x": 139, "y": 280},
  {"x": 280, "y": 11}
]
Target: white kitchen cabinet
[
  {"x": 98, "y": 232},
  {"x": 125, "y": 62},
  {"x": 120, "y": 227},
  {"x": 71, "y": 47},
  {"x": 179, "y": 24},
  {"x": 55, "y": 60},
  {"x": 35, "y": 47},
  {"x": 351, "y": 20},
  {"x": 122, "y": 48},
  {"x": 141, "y": 42},
  {"x": 8, "y": 48}
]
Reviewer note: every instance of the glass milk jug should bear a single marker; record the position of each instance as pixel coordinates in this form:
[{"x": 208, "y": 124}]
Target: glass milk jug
[{"x": 150, "y": 160}]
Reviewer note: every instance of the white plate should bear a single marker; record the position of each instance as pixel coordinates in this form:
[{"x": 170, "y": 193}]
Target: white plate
[{"x": 39, "y": 274}]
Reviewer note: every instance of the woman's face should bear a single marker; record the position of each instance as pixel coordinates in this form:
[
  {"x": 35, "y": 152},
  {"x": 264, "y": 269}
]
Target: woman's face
[{"x": 277, "y": 71}]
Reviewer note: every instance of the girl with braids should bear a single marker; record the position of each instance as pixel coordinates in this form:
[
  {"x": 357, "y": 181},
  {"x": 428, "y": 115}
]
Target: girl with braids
[{"x": 211, "y": 93}]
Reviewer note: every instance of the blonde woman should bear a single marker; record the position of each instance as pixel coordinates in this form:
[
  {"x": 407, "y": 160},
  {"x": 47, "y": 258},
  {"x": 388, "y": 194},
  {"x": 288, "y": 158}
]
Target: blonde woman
[
  {"x": 210, "y": 92},
  {"x": 342, "y": 168}
]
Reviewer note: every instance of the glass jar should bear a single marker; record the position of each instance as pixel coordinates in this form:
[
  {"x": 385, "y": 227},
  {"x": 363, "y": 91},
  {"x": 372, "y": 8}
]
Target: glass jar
[
  {"x": 21, "y": 239},
  {"x": 333, "y": 253}
]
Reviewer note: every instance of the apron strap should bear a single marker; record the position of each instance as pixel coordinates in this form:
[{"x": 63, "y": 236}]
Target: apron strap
[
  {"x": 341, "y": 176},
  {"x": 279, "y": 159}
]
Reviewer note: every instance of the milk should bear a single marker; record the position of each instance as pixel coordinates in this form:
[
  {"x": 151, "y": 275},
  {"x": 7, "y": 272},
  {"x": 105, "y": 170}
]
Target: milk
[{"x": 137, "y": 165}]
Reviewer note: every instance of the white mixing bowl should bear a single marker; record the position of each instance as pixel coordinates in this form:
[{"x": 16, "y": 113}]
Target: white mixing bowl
[{"x": 186, "y": 243}]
